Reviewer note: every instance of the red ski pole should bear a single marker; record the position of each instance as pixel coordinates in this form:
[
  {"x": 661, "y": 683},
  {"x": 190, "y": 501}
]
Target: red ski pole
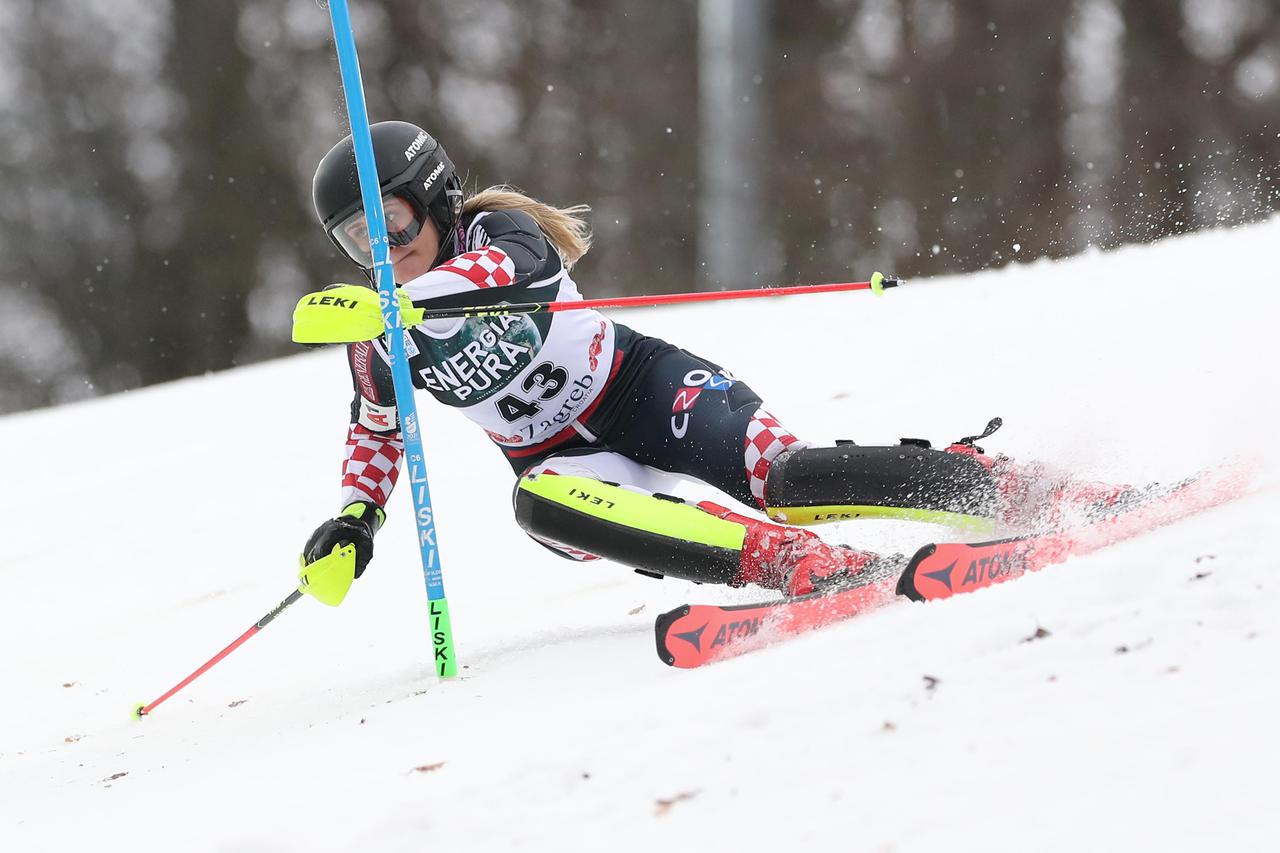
[
  {"x": 878, "y": 284},
  {"x": 142, "y": 709}
]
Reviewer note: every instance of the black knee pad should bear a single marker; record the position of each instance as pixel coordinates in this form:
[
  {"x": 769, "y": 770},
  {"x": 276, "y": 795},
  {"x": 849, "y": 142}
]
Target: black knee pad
[{"x": 818, "y": 484}]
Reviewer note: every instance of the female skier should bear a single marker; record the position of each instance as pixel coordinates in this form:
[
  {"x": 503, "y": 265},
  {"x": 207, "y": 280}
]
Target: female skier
[{"x": 594, "y": 417}]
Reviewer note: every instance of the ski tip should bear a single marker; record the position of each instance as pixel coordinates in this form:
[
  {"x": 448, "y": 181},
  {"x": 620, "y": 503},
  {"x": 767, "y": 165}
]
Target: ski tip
[{"x": 139, "y": 711}]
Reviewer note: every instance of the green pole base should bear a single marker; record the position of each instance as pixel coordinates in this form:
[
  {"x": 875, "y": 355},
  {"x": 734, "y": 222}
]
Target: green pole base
[{"x": 445, "y": 661}]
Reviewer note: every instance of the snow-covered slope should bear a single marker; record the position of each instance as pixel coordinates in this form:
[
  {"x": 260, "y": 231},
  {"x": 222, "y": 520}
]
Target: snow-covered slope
[{"x": 145, "y": 531}]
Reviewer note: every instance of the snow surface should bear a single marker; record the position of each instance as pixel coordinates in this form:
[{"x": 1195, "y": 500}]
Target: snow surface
[{"x": 143, "y": 532}]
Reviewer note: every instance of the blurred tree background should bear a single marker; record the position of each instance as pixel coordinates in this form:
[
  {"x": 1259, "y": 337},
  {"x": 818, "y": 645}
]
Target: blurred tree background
[{"x": 157, "y": 154}]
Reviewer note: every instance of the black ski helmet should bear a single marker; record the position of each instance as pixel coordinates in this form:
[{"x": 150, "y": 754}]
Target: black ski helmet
[{"x": 411, "y": 166}]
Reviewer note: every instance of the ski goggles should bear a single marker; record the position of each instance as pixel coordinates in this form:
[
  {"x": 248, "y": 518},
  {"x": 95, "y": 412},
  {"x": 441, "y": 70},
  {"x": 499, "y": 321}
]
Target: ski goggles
[{"x": 352, "y": 233}]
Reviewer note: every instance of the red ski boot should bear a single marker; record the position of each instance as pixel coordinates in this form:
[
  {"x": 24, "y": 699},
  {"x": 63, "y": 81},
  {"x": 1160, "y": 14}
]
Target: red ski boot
[
  {"x": 1035, "y": 497},
  {"x": 793, "y": 561}
]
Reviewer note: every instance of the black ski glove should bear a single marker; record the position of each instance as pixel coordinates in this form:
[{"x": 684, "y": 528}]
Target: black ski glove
[{"x": 356, "y": 525}]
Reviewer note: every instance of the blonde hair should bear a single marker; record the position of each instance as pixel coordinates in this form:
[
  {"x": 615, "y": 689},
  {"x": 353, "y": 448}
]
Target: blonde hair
[{"x": 563, "y": 226}]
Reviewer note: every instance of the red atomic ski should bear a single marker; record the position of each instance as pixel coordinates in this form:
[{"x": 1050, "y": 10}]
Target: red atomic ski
[
  {"x": 697, "y": 634},
  {"x": 943, "y": 570}
]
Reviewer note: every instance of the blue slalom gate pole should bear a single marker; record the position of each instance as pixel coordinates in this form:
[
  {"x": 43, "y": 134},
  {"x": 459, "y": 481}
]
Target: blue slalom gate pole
[{"x": 445, "y": 660}]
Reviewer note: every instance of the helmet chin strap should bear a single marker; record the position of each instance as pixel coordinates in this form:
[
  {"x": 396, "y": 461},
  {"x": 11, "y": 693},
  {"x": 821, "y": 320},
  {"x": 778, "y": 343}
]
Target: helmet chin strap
[
  {"x": 449, "y": 243},
  {"x": 452, "y": 241}
]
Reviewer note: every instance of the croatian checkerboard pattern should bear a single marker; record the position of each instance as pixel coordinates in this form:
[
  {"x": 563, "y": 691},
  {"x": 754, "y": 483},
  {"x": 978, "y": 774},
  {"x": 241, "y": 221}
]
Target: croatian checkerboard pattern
[
  {"x": 488, "y": 267},
  {"x": 766, "y": 438},
  {"x": 371, "y": 466}
]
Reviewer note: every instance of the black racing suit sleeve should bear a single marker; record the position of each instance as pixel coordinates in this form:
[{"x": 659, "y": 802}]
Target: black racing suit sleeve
[{"x": 516, "y": 233}]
